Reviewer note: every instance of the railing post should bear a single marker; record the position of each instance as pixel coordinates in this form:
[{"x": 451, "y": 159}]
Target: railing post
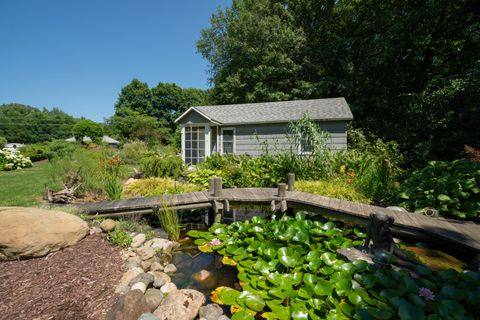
[
  {"x": 282, "y": 188},
  {"x": 211, "y": 185},
  {"x": 291, "y": 181},
  {"x": 217, "y": 186}
]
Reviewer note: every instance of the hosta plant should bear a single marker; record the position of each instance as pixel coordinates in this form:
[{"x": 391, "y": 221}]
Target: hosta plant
[
  {"x": 288, "y": 268},
  {"x": 453, "y": 188}
]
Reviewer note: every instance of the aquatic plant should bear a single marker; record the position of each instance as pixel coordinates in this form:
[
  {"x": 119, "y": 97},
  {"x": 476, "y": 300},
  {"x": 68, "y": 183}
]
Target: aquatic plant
[{"x": 288, "y": 268}]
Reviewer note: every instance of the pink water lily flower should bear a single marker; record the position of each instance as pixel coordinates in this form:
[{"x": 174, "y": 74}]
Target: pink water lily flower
[
  {"x": 215, "y": 242},
  {"x": 426, "y": 293}
]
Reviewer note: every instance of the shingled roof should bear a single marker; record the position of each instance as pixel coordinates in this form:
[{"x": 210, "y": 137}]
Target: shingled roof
[{"x": 269, "y": 112}]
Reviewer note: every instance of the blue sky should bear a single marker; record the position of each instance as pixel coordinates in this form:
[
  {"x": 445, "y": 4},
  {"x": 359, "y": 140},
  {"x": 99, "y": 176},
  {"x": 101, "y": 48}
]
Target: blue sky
[{"x": 77, "y": 55}]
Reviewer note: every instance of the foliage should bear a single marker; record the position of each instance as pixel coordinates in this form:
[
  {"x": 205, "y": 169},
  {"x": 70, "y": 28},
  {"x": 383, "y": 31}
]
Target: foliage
[
  {"x": 158, "y": 186},
  {"x": 13, "y": 160},
  {"x": 120, "y": 238},
  {"x": 453, "y": 188},
  {"x": 336, "y": 189},
  {"x": 134, "y": 223},
  {"x": 135, "y": 125},
  {"x": 289, "y": 269},
  {"x": 87, "y": 128},
  {"x": 133, "y": 152},
  {"x": 163, "y": 165},
  {"x": 48, "y": 150},
  {"x": 3, "y": 142},
  {"x": 26, "y": 124},
  {"x": 170, "y": 222},
  {"x": 418, "y": 88},
  {"x": 111, "y": 174},
  {"x": 141, "y": 112}
]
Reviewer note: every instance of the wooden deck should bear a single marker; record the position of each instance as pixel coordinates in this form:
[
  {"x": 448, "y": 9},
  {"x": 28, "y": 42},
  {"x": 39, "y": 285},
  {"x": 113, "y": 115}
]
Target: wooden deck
[{"x": 462, "y": 234}]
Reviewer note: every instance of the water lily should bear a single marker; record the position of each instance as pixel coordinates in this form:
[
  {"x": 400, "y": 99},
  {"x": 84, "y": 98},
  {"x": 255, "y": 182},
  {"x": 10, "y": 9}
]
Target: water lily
[
  {"x": 414, "y": 275},
  {"x": 215, "y": 242},
  {"x": 426, "y": 293}
]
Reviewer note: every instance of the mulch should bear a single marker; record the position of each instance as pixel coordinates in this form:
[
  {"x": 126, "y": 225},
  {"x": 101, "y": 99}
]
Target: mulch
[{"x": 75, "y": 283}]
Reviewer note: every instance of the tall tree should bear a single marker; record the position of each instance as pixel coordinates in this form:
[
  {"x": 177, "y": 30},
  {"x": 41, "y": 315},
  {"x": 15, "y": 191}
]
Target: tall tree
[{"x": 407, "y": 68}]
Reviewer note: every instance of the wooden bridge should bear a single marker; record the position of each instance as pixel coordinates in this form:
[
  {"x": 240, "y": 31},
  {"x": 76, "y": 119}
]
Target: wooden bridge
[{"x": 462, "y": 235}]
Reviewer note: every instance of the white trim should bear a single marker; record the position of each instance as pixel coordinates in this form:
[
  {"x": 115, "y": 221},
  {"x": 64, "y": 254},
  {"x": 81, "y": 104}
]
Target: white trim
[
  {"x": 199, "y": 112},
  {"x": 234, "y": 139},
  {"x": 183, "y": 143},
  {"x": 207, "y": 141}
]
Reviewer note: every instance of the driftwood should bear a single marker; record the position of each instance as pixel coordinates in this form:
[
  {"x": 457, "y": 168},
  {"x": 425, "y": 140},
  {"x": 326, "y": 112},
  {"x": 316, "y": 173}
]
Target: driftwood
[{"x": 67, "y": 194}]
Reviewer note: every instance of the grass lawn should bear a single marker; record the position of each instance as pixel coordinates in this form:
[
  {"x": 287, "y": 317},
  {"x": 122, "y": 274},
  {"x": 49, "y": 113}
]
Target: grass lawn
[{"x": 24, "y": 187}]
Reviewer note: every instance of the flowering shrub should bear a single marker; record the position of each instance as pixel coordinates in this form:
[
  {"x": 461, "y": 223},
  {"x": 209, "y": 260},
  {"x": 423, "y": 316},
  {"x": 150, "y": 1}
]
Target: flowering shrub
[{"x": 12, "y": 160}]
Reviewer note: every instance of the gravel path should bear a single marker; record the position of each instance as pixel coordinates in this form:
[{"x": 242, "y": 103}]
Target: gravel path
[{"x": 71, "y": 284}]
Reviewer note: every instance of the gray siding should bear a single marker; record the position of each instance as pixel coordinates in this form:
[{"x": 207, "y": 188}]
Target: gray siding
[
  {"x": 251, "y": 138},
  {"x": 193, "y": 117}
]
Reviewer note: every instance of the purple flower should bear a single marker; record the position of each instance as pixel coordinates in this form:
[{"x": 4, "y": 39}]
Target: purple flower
[
  {"x": 215, "y": 242},
  {"x": 426, "y": 293},
  {"x": 414, "y": 275}
]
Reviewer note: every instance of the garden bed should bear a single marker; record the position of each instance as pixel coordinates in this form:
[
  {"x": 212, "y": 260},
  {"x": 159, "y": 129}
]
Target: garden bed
[{"x": 75, "y": 283}]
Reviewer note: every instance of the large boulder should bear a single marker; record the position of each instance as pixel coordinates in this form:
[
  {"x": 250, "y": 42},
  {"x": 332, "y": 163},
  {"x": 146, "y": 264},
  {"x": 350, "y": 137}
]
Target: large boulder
[
  {"x": 34, "y": 232},
  {"x": 129, "y": 307},
  {"x": 180, "y": 304}
]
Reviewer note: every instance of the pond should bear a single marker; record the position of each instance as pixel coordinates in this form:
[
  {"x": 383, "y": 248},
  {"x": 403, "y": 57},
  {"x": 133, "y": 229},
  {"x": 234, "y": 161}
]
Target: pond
[{"x": 288, "y": 268}]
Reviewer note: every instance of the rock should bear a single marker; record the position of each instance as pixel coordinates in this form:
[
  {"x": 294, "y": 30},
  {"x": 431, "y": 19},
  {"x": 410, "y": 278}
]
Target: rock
[
  {"x": 34, "y": 232},
  {"x": 148, "y": 316},
  {"x": 128, "y": 307},
  {"x": 95, "y": 230},
  {"x": 122, "y": 289},
  {"x": 153, "y": 297},
  {"x": 164, "y": 245},
  {"x": 129, "y": 275},
  {"x": 138, "y": 240},
  {"x": 180, "y": 304},
  {"x": 170, "y": 268},
  {"x": 353, "y": 254},
  {"x": 146, "y": 265},
  {"x": 223, "y": 317},
  {"x": 145, "y": 278},
  {"x": 211, "y": 311},
  {"x": 205, "y": 278},
  {"x": 156, "y": 266},
  {"x": 108, "y": 225},
  {"x": 168, "y": 288},
  {"x": 139, "y": 286},
  {"x": 145, "y": 252},
  {"x": 160, "y": 278},
  {"x": 132, "y": 254},
  {"x": 133, "y": 262}
]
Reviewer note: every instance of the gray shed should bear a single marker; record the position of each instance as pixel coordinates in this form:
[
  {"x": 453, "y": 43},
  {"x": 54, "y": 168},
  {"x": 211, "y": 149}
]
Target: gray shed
[{"x": 241, "y": 128}]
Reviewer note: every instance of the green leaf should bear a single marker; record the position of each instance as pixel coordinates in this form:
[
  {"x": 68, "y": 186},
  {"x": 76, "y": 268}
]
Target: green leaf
[
  {"x": 343, "y": 286},
  {"x": 250, "y": 301},
  {"x": 323, "y": 287},
  {"x": 328, "y": 258},
  {"x": 228, "y": 295},
  {"x": 354, "y": 298},
  {"x": 287, "y": 257},
  {"x": 242, "y": 315}
]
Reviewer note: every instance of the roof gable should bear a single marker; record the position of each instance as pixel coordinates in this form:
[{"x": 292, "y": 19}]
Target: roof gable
[{"x": 330, "y": 109}]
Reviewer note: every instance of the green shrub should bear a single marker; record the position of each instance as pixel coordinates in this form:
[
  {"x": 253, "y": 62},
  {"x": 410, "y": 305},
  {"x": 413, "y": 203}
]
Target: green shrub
[
  {"x": 168, "y": 165},
  {"x": 133, "y": 152},
  {"x": 158, "y": 186},
  {"x": 120, "y": 238},
  {"x": 3, "y": 142},
  {"x": 36, "y": 151},
  {"x": 111, "y": 177},
  {"x": 61, "y": 149},
  {"x": 453, "y": 188},
  {"x": 13, "y": 160},
  {"x": 336, "y": 189}
]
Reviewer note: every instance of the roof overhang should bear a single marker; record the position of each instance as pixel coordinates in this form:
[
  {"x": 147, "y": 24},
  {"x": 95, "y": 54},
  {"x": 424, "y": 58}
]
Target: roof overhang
[{"x": 199, "y": 112}]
